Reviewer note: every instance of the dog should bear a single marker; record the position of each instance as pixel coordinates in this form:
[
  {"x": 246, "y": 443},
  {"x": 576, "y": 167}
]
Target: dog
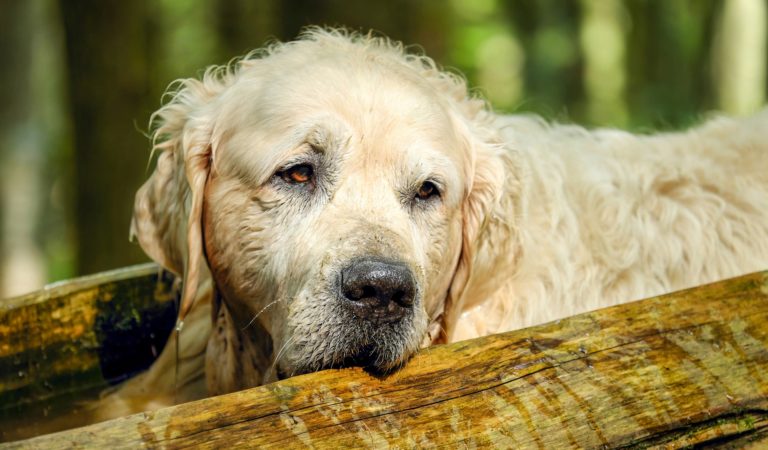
[{"x": 338, "y": 201}]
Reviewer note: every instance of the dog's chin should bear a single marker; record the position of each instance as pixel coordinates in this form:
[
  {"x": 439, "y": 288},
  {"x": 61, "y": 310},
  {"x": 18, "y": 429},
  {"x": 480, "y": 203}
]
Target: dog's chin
[
  {"x": 342, "y": 339},
  {"x": 374, "y": 360},
  {"x": 380, "y": 354}
]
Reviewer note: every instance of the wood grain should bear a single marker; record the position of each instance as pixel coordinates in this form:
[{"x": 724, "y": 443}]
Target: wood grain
[
  {"x": 674, "y": 371},
  {"x": 64, "y": 344}
]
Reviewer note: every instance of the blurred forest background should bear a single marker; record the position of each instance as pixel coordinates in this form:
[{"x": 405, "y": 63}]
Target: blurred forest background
[{"x": 80, "y": 78}]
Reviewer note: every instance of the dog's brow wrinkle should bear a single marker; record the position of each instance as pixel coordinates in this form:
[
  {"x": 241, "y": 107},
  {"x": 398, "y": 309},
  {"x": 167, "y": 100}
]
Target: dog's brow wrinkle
[{"x": 318, "y": 148}]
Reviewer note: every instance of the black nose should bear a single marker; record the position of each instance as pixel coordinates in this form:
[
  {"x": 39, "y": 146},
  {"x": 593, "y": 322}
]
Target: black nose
[{"x": 377, "y": 289}]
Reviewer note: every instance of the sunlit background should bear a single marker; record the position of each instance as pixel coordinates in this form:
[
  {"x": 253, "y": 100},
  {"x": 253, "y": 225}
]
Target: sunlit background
[{"x": 79, "y": 80}]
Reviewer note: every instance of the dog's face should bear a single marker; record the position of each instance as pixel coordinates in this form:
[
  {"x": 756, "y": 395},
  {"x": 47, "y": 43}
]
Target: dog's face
[
  {"x": 334, "y": 208},
  {"x": 334, "y": 190}
]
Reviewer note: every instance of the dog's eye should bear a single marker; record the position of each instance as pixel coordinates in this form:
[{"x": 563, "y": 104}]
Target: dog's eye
[
  {"x": 427, "y": 190},
  {"x": 298, "y": 174}
]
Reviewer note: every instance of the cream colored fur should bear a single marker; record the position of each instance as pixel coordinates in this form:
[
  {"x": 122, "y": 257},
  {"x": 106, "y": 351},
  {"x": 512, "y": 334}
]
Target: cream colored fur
[
  {"x": 536, "y": 221},
  {"x": 607, "y": 217}
]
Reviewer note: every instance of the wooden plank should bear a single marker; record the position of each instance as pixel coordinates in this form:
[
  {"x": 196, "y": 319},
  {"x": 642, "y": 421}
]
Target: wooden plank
[
  {"x": 678, "y": 370},
  {"x": 66, "y": 343}
]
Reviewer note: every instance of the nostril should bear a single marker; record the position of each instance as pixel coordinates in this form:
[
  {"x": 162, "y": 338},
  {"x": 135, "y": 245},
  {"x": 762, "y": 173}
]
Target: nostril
[
  {"x": 355, "y": 292},
  {"x": 402, "y": 298},
  {"x": 369, "y": 292}
]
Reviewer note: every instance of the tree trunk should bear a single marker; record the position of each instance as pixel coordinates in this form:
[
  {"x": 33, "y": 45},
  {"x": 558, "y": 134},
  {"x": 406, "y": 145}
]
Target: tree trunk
[
  {"x": 34, "y": 242},
  {"x": 107, "y": 55}
]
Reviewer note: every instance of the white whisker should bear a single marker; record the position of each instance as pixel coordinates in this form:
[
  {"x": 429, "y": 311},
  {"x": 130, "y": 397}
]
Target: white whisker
[
  {"x": 258, "y": 314},
  {"x": 280, "y": 353}
]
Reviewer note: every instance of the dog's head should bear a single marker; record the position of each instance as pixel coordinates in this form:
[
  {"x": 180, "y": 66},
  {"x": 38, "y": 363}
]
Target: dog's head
[{"x": 334, "y": 186}]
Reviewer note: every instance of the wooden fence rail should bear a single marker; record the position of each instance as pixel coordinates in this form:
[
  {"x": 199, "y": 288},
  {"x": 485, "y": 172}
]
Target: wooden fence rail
[{"x": 678, "y": 370}]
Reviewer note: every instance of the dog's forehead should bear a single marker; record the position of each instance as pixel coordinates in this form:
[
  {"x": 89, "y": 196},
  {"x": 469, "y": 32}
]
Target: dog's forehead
[
  {"x": 367, "y": 93},
  {"x": 378, "y": 110}
]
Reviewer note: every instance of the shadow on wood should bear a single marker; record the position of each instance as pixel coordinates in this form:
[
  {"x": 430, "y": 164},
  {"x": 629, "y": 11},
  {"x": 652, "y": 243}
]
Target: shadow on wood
[
  {"x": 682, "y": 369},
  {"x": 63, "y": 345}
]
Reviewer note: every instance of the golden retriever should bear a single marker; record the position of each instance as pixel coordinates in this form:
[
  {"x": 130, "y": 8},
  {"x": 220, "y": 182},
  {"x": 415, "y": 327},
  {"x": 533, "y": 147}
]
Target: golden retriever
[{"x": 343, "y": 202}]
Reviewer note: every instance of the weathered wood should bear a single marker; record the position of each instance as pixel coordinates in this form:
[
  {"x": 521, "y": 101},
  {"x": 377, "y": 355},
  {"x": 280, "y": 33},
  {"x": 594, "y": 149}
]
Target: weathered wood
[
  {"x": 66, "y": 343},
  {"x": 683, "y": 369}
]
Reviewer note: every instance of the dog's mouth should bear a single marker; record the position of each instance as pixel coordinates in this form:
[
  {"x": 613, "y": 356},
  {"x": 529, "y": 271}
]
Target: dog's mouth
[
  {"x": 365, "y": 359},
  {"x": 369, "y": 317},
  {"x": 281, "y": 373},
  {"x": 369, "y": 357}
]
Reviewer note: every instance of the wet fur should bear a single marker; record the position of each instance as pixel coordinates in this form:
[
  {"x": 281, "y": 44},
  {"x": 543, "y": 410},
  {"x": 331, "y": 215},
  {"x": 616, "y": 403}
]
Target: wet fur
[{"x": 539, "y": 221}]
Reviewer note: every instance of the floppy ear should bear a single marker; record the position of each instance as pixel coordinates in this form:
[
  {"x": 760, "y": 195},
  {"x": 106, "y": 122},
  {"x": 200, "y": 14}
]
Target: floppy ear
[
  {"x": 486, "y": 163},
  {"x": 167, "y": 216}
]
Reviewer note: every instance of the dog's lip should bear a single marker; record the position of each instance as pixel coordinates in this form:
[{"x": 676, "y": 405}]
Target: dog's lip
[
  {"x": 366, "y": 357},
  {"x": 280, "y": 373}
]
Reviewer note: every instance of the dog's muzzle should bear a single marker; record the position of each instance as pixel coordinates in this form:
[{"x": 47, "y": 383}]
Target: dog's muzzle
[{"x": 377, "y": 290}]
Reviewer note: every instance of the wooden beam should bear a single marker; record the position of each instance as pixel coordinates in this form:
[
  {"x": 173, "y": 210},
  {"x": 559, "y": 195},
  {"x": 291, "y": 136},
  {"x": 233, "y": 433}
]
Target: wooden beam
[
  {"x": 64, "y": 344},
  {"x": 678, "y": 370}
]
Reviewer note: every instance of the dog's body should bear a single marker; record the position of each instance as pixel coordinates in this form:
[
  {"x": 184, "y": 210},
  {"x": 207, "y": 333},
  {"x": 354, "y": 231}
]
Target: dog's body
[
  {"x": 353, "y": 203},
  {"x": 612, "y": 217}
]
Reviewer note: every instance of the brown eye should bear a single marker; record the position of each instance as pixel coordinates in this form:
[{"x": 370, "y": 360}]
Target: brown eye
[
  {"x": 298, "y": 174},
  {"x": 427, "y": 190}
]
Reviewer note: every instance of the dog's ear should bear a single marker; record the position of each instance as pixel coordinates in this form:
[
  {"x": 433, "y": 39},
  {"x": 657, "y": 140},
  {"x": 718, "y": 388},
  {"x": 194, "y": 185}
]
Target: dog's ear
[
  {"x": 167, "y": 216},
  {"x": 486, "y": 164}
]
